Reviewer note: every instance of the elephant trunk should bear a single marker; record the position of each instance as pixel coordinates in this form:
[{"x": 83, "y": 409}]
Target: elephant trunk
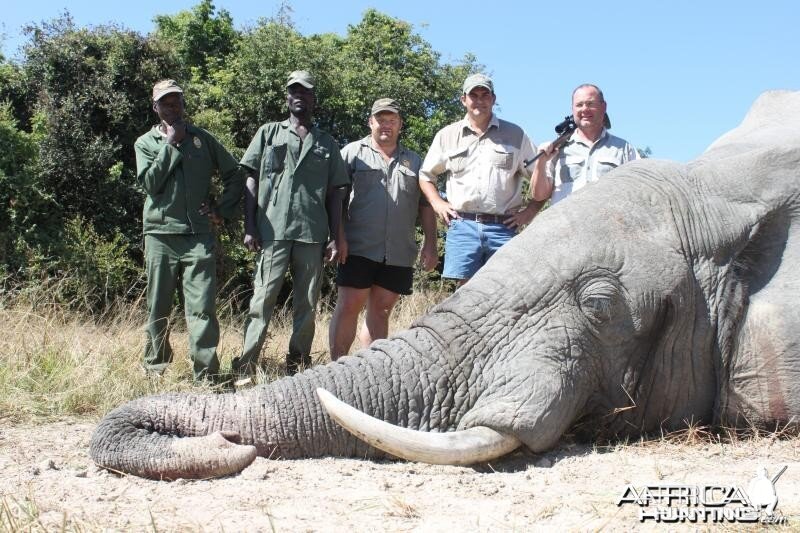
[
  {"x": 408, "y": 381},
  {"x": 157, "y": 438}
]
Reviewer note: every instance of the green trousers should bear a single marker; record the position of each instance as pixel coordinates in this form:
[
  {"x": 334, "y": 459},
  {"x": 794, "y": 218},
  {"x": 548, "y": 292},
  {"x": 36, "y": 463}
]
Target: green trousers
[
  {"x": 304, "y": 261},
  {"x": 188, "y": 259}
]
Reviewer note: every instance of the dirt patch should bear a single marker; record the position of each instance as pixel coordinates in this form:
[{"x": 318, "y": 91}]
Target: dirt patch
[{"x": 47, "y": 481}]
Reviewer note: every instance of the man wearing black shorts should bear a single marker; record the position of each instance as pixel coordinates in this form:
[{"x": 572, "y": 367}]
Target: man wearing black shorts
[{"x": 376, "y": 265}]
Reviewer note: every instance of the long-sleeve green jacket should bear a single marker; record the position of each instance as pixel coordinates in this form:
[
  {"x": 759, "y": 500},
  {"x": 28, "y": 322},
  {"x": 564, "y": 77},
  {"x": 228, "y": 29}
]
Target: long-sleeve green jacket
[{"x": 178, "y": 180}]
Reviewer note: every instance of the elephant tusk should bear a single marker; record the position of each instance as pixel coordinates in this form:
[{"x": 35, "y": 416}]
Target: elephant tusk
[{"x": 474, "y": 445}]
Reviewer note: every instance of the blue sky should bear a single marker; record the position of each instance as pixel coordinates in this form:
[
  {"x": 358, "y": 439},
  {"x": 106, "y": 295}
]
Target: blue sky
[{"x": 676, "y": 74}]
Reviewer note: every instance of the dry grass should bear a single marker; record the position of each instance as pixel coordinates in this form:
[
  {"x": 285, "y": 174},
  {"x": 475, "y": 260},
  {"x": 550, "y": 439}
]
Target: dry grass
[
  {"x": 397, "y": 506},
  {"x": 25, "y": 514},
  {"x": 56, "y": 362}
]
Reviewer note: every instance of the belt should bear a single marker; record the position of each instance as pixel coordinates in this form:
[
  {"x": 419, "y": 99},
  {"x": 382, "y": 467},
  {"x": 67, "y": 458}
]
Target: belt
[{"x": 483, "y": 218}]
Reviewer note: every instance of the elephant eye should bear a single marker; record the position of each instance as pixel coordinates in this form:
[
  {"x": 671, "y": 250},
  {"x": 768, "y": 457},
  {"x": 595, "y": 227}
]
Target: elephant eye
[{"x": 597, "y": 308}]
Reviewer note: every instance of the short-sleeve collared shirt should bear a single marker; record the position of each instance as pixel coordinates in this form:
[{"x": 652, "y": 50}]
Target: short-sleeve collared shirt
[
  {"x": 485, "y": 172},
  {"x": 383, "y": 204},
  {"x": 580, "y": 163},
  {"x": 293, "y": 180}
]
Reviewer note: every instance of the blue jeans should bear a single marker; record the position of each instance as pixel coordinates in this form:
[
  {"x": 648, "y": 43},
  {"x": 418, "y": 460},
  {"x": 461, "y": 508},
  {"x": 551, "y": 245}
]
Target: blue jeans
[{"x": 469, "y": 245}]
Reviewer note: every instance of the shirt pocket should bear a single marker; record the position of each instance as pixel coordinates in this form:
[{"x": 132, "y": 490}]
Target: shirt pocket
[
  {"x": 571, "y": 169},
  {"x": 502, "y": 157},
  {"x": 456, "y": 161},
  {"x": 194, "y": 149},
  {"x": 409, "y": 180},
  {"x": 319, "y": 157},
  {"x": 273, "y": 159},
  {"x": 272, "y": 164},
  {"x": 365, "y": 178},
  {"x": 605, "y": 165}
]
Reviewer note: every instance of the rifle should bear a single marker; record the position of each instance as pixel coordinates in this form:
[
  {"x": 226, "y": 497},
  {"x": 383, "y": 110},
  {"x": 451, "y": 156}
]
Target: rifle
[{"x": 563, "y": 129}]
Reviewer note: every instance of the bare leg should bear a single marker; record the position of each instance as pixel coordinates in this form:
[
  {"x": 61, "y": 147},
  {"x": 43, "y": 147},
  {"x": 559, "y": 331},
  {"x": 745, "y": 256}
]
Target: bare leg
[
  {"x": 349, "y": 303},
  {"x": 379, "y": 308}
]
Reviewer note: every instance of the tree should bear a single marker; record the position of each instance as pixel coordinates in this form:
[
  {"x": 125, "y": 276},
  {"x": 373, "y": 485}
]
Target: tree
[
  {"x": 202, "y": 37},
  {"x": 92, "y": 92},
  {"x": 69, "y": 192},
  {"x": 380, "y": 56}
]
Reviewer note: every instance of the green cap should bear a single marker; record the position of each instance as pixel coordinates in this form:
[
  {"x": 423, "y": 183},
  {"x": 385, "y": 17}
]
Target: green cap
[
  {"x": 478, "y": 80},
  {"x": 385, "y": 104},
  {"x": 303, "y": 77},
  {"x": 165, "y": 87}
]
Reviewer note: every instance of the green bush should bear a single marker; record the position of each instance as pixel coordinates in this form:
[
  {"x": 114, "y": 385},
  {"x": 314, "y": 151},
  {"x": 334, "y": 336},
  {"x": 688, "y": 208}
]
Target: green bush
[{"x": 95, "y": 271}]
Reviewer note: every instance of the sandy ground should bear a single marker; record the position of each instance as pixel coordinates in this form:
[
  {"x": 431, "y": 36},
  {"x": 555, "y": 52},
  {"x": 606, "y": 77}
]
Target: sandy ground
[{"x": 48, "y": 482}]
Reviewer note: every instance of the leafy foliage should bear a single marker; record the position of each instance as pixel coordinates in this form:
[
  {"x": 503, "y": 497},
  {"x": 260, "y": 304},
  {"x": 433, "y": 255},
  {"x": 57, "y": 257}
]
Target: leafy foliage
[
  {"x": 92, "y": 87},
  {"x": 201, "y": 40}
]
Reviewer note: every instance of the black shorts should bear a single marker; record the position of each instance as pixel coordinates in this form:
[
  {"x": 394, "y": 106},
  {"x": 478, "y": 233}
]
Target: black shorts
[{"x": 362, "y": 273}]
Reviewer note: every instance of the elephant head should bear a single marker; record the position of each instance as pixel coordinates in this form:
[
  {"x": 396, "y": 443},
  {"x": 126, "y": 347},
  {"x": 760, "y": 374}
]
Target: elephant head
[{"x": 660, "y": 296}]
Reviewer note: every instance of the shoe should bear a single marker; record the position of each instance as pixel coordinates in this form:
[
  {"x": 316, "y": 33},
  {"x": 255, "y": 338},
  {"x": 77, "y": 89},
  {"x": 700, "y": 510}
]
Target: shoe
[
  {"x": 243, "y": 375},
  {"x": 219, "y": 382},
  {"x": 154, "y": 372},
  {"x": 297, "y": 363},
  {"x": 243, "y": 369}
]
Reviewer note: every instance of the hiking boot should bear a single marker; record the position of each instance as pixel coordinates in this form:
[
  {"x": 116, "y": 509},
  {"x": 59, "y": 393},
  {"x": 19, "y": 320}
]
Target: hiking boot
[
  {"x": 297, "y": 363},
  {"x": 243, "y": 374},
  {"x": 218, "y": 382},
  {"x": 154, "y": 371}
]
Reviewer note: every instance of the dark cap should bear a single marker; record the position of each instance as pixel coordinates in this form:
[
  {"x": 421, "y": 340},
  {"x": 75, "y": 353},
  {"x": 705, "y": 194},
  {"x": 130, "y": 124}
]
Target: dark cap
[
  {"x": 303, "y": 77},
  {"x": 385, "y": 104},
  {"x": 478, "y": 80},
  {"x": 165, "y": 87}
]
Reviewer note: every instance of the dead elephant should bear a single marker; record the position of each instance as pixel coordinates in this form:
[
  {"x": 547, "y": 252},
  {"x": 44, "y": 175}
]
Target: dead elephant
[{"x": 665, "y": 293}]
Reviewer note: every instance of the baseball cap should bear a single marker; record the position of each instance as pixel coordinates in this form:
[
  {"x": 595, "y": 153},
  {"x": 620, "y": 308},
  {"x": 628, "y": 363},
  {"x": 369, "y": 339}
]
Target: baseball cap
[
  {"x": 165, "y": 87},
  {"x": 385, "y": 104},
  {"x": 478, "y": 80},
  {"x": 303, "y": 77}
]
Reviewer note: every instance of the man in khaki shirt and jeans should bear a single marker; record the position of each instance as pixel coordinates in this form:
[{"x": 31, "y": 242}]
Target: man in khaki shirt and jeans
[
  {"x": 482, "y": 159},
  {"x": 376, "y": 266}
]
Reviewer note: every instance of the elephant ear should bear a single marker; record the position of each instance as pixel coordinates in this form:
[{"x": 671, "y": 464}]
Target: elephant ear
[
  {"x": 758, "y": 164},
  {"x": 759, "y": 323}
]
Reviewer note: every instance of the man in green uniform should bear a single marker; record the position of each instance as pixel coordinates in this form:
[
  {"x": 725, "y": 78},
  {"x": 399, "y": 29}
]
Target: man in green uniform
[
  {"x": 291, "y": 208},
  {"x": 175, "y": 162}
]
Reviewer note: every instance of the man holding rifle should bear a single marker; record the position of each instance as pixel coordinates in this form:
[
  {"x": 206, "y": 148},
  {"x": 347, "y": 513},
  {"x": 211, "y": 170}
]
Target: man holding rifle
[{"x": 588, "y": 154}]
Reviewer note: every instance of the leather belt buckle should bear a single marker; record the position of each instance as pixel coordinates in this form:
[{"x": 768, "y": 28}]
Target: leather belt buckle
[{"x": 483, "y": 218}]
